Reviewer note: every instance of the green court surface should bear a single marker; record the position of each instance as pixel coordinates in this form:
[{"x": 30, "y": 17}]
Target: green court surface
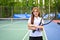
[{"x": 16, "y": 30}]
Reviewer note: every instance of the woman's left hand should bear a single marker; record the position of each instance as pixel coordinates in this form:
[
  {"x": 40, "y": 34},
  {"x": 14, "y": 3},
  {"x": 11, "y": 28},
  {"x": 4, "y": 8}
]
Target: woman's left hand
[{"x": 41, "y": 27}]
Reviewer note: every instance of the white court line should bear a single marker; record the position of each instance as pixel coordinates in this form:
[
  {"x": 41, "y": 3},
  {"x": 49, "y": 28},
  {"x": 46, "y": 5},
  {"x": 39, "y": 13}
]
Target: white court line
[
  {"x": 45, "y": 34},
  {"x": 25, "y": 35}
]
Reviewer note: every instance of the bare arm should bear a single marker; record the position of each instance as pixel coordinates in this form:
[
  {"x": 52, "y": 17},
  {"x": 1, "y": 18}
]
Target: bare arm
[
  {"x": 31, "y": 26},
  {"x": 40, "y": 27}
]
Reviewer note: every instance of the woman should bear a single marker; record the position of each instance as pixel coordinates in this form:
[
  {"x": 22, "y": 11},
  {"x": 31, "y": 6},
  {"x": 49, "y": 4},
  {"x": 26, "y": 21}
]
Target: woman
[{"x": 33, "y": 24}]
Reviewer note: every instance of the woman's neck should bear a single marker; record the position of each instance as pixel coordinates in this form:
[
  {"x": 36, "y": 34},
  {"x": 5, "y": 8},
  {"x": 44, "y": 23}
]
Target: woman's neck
[{"x": 36, "y": 16}]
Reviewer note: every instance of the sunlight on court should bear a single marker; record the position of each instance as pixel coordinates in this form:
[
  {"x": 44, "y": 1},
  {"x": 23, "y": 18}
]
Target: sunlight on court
[{"x": 13, "y": 31}]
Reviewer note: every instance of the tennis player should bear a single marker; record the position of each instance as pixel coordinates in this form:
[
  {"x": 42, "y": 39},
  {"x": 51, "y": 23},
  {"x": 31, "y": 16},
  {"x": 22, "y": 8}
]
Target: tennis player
[{"x": 33, "y": 24}]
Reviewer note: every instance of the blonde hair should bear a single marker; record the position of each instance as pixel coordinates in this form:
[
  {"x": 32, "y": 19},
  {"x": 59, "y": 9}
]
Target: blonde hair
[
  {"x": 32, "y": 16},
  {"x": 36, "y": 8}
]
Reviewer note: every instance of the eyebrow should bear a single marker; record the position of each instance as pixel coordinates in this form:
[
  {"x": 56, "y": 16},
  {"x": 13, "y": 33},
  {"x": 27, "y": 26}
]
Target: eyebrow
[{"x": 35, "y": 11}]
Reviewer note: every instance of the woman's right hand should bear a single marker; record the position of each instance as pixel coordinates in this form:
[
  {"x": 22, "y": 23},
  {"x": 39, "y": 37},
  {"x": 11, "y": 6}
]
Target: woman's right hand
[
  {"x": 34, "y": 28},
  {"x": 31, "y": 27}
]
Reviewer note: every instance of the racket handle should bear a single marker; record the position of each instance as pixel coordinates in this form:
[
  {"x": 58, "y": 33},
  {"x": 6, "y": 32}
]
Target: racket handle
[
  {"x": 38, "y": 29},
  {"x": 33, "y": 31}
]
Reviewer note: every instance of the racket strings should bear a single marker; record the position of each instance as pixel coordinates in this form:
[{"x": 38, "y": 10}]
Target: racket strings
[{"x": 48, "y": 20}]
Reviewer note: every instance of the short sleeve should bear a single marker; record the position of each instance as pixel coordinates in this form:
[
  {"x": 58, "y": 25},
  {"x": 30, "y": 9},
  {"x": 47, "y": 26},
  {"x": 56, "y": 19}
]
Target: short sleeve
[{"x": 29, "y": 20}]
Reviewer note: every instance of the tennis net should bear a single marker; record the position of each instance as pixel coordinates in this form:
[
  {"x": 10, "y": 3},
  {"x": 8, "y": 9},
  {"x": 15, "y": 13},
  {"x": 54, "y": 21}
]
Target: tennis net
[{"x": 11, "y": 20}]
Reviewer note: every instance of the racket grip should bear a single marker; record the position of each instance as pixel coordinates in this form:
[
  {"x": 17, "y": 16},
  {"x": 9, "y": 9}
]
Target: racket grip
[
  {"x": 33, "y": 31},
  {"x": 38, "y": 29}
]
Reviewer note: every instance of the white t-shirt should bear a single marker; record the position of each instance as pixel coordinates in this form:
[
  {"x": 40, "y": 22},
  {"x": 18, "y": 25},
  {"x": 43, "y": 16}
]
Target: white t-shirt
[{"x": 36, "y": 22}]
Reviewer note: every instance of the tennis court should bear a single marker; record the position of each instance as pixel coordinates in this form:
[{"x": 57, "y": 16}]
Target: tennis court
[{"x": 15, "y": 30}]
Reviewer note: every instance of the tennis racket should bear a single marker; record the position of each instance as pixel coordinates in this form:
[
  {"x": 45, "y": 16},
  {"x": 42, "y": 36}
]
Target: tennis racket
[{"x": 48, "y": 18}]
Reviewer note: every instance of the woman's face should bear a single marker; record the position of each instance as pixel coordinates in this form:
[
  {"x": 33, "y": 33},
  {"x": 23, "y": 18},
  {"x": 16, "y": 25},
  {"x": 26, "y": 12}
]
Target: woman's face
[{"x": 35, "y": 12}]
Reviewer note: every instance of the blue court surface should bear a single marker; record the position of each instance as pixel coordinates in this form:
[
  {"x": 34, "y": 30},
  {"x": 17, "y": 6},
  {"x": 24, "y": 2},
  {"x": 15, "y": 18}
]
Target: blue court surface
[{"x": 52, "y": 31}]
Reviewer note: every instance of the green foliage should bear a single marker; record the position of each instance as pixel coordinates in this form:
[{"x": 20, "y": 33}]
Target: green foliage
[{"x": 25, "y": 6}]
